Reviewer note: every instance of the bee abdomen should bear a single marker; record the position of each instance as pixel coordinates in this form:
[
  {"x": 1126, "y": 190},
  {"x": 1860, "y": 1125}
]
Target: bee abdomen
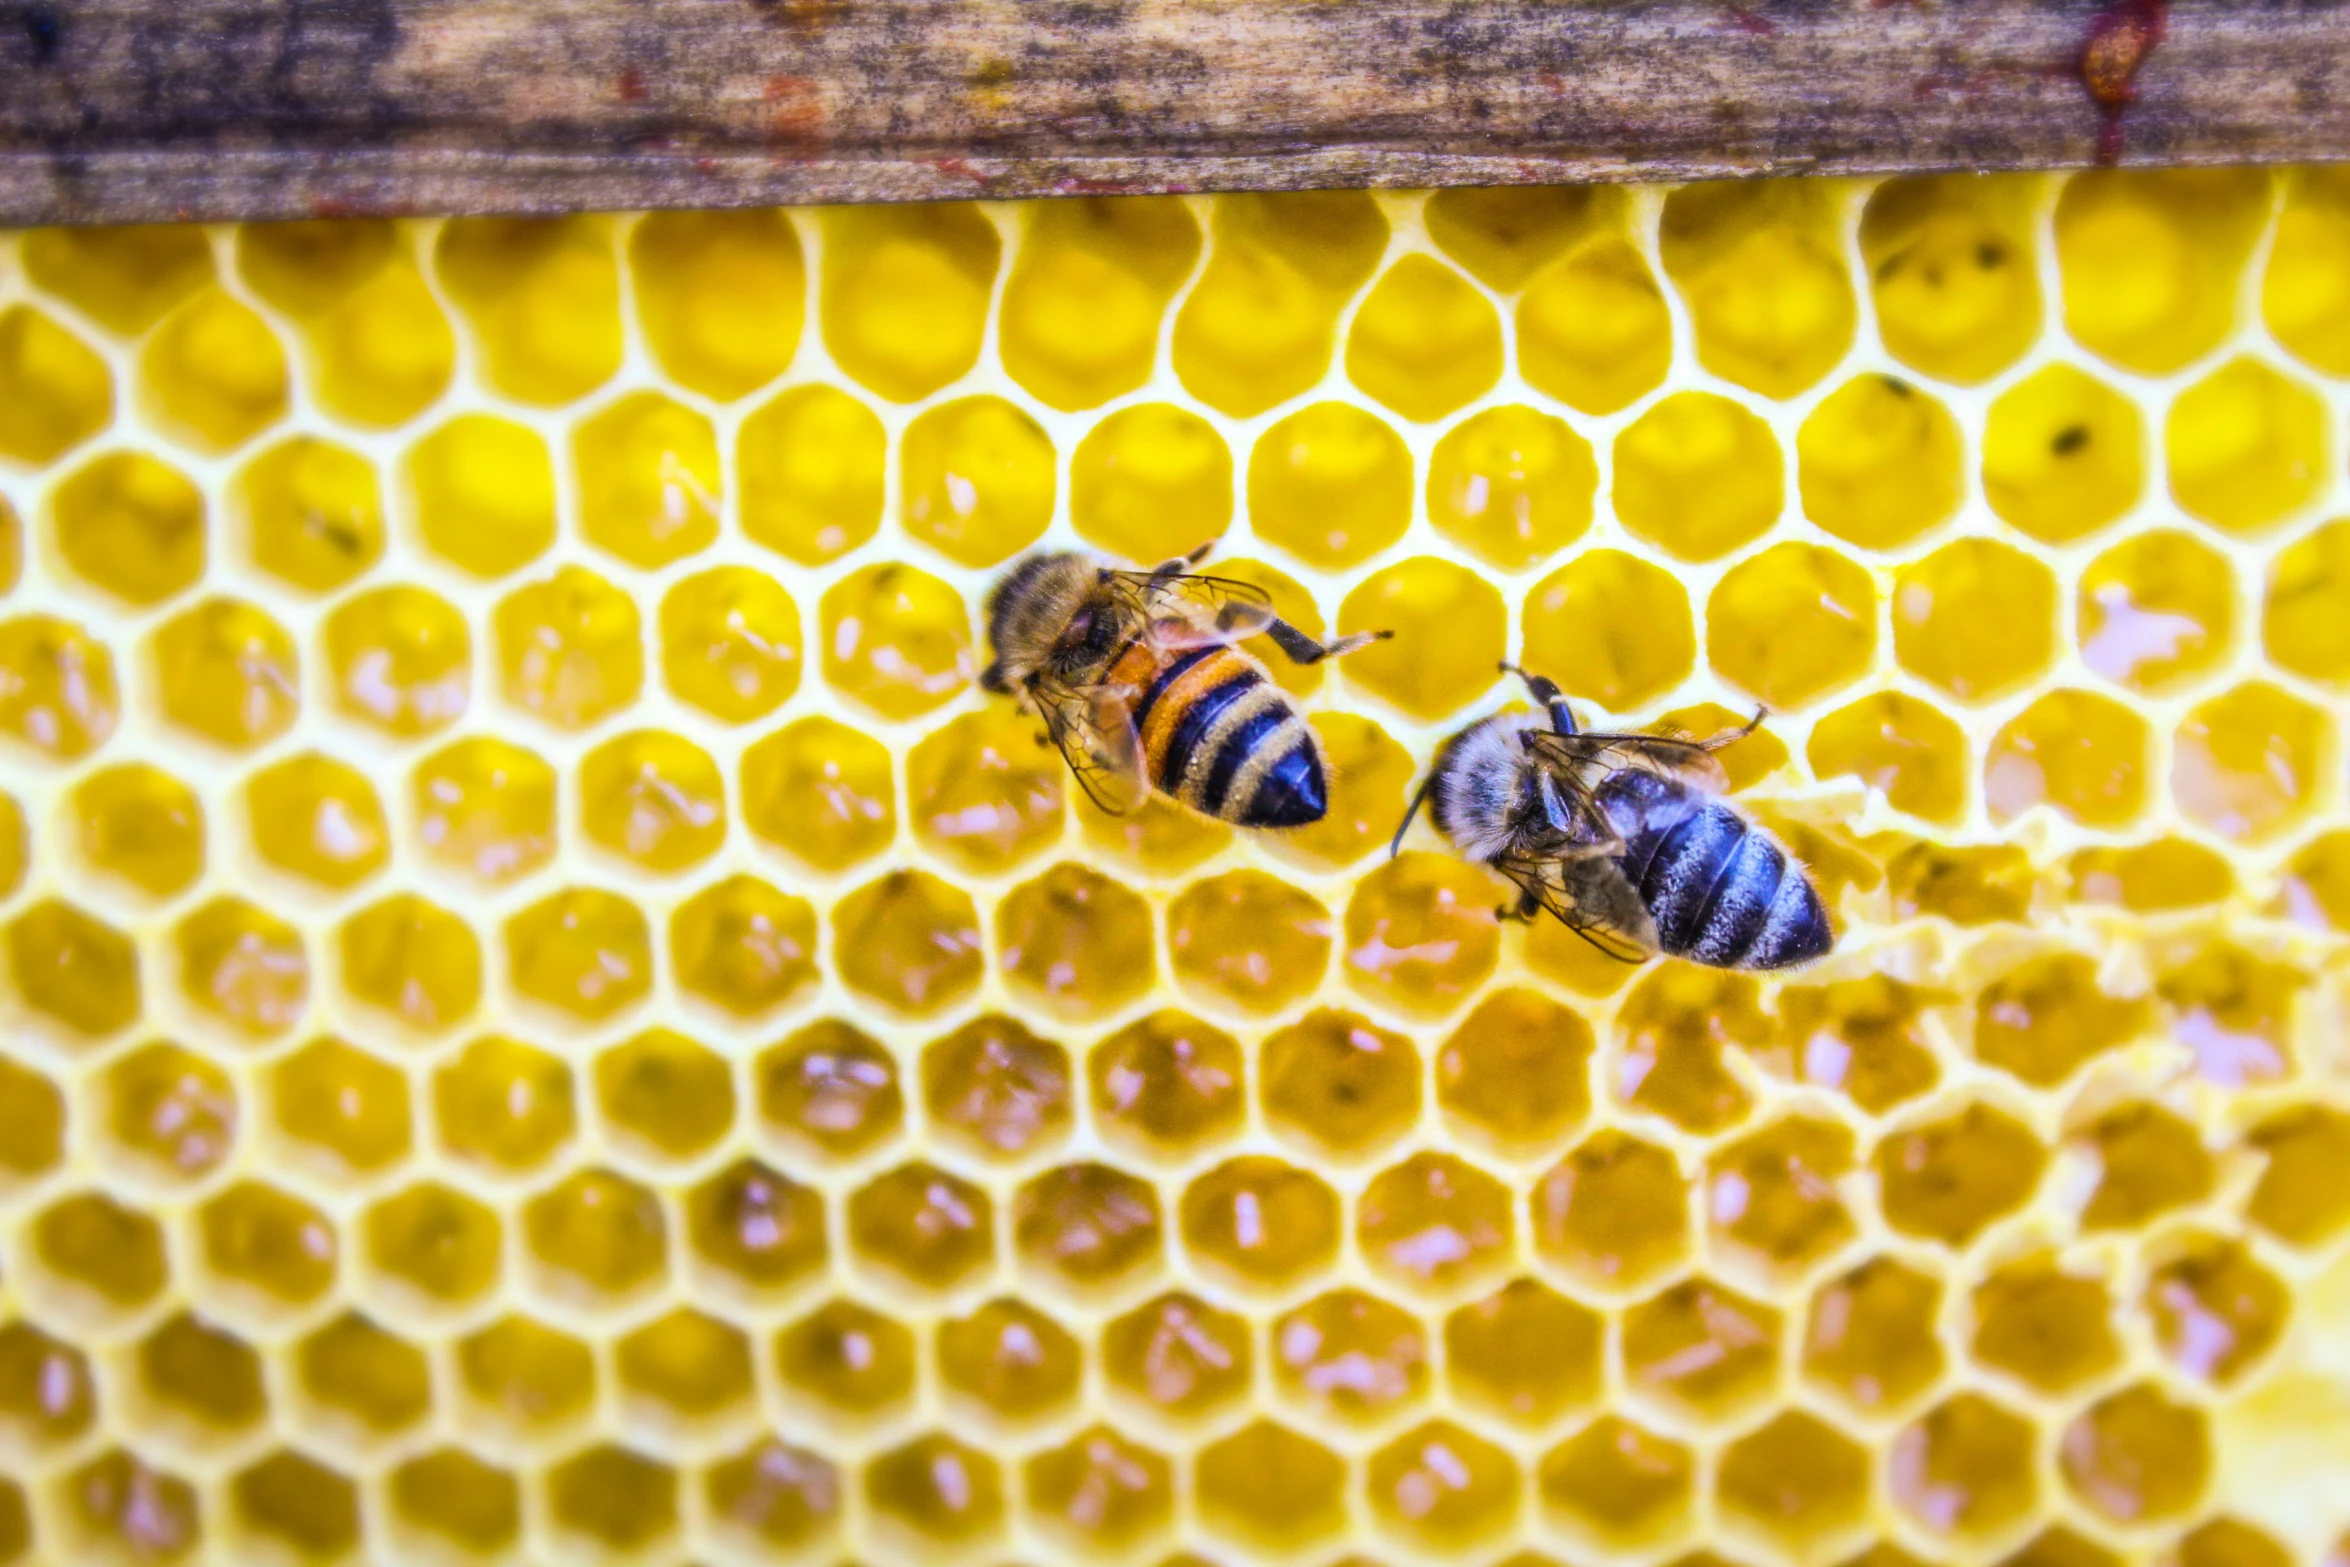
[
  {"x": 1223, "y": 739},
  {"x": 1722, "y": 893}
]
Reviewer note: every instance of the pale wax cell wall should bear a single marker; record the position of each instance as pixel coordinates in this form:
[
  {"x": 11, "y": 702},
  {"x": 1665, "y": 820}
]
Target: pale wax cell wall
[{"x": 547, "y": 1018}]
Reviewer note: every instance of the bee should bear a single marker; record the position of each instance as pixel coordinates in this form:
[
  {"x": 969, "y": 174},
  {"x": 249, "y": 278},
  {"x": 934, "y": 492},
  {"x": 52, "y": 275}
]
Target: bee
[
  {"x": 1140, "y": 686},
  {"x": 1624, "y": 837}
]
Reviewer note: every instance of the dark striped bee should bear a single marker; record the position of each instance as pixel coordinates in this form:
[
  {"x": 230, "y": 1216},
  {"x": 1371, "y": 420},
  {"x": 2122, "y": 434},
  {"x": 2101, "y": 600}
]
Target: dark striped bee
[
  {"x": 1622, "y": 836},
  {"x": 1139, "y": 684}
]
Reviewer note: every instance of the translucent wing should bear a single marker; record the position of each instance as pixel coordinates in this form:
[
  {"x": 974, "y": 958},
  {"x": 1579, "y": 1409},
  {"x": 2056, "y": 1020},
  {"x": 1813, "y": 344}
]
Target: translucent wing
[
  {"x": 1192, "y": 611},
  {"x": 1591, "y": 896},
  {"x": 1670, "y": 755},
  {"x": 1094, "y": 728}
]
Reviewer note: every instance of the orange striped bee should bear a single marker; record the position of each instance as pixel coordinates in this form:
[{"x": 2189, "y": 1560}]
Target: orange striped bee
[{"x": 1139, "y": 684}]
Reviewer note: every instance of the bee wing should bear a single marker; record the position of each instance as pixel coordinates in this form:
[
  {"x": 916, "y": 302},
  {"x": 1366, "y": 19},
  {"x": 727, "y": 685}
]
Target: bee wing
[
  {"x": 1673, "y": 755},
  {"x": 1094, "y": 728},
  {"x": 1591, "y": 896},
  {"x": 1193, "y": 611}
]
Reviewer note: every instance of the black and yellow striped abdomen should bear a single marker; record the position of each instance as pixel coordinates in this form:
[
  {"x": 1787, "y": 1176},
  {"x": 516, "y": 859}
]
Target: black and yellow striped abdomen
[{"x": 1221, "y": 737}]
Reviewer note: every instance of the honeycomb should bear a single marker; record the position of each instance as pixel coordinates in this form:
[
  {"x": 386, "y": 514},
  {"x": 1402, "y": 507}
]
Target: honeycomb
[{"x": 547, "y": 1018}]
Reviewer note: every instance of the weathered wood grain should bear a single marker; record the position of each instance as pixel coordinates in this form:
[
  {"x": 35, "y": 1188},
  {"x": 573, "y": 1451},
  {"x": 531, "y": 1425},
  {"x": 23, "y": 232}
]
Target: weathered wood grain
[{"x": 143, "y": 109}]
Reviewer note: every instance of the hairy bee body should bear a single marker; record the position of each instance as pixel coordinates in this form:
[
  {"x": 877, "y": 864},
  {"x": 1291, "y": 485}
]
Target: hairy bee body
[{"x": 1719, "y": 888}]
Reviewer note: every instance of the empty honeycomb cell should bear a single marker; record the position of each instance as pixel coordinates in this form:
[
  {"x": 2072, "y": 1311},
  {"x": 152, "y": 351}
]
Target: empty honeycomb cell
[
  {"x": 1618, "y": 1483},
  {"x": 757, "y": 1227},
  {"x": 599, "y": 1232},
  {"x": 344, "y": 1107},
  {"x": 124, "y": 278},
  {"x": 168, "y": 1110},
  {"x": 1260, "y": 1223},
  {"x": 1421, "y": 933},
  {"x": 312, "y": 513},
  {"x": 1424, "y": 341},
  {"x": 2156, "y": 611},
  {"x": 1331, "y": 485},
  {"x": 1515, "y": 1074},
  {"x": 730, "y": 643},
  {"x": 1792, "y": 625},
  {"x": 1339, "y": 1085},
  {"x": 122, "y": 1507},
  {"x": 413, "y": 960},
  {"x": 1442, "y": 1487},
  {"x": 2063, "y": 454},
  {"x": 1525, "y": 1353},
  {"x": 570, "y": 649},
  {"x": 744, "y": 947},
  {"x": 654, "y": 798},
  {"x": 1075, "y": 943},
  {"x": 1268, "y": 1487},
  {"x": 2302, "y": 627},
  {"x": 977, "y": 480},
  {"x": 2246, "y": 447},
  {"x": 649, "y": 487},
  {"x": 318, "y": 819},
  {"x": 542, "y": 296},
  {"x": 1593, "y": 329},
  {"x": 983, "y": 792},
  {"x": 270, "y": 1249},
  {"x": 294, "y": 1503},
  {"x": 483, "y": 490},
  {"x": 2301, "y": 294},
  {"x": 1951, "y": 268},
  {"x": 2226, "y": 1542},
  {"x": 1698, "y": 476},
  {"x": 213, "y": 377},
  {"x": 612, "y": 1499},
  {"x": 1878, "y": 463},
  {"x": 1966, "y": 886},
  {"x": 2050, "y": 1329},
  {"x": 2150, "y": 259},
  {"x": 2216, "y": 1309},
  {"x": 1775, "y": 1192},
  {"x": 1009, "y": 1360},
  {"x": 57, "y": 687},
  {"x": 131, "y": 524},
  {"x": 664, "y": 1096},
  {"x": 774, "y": 1495},
  {"x": 400, "y": 658},
  {"x": 896, "y": 640},
  {"x": 2163, "y": 876},
  {"x": 1950, "y": 1179},
  {"x": 1511, "y": 485},
  {"x": 908, "y": 942},
  {"x": 523, "y": 1378},
  {"x": 1248, "y": 940},
  {"x": 141, "y": 824},
  {"x": 831, "y": 1088},
  {"x": 386, "y": 353},
  {"x": 1161, "y": 838},
  {"x": 2147, "y": 1162},
  {"x": 55, "y": 392},
  {"x": 937, "y": 1490},
  {"x": 997, "y": 1088},
  {"x": 2233, "y": 1011},
  {"x": 924, "y": 1225},
  {"x": 2316, "y": 889},
  {"x": 107, "y": 1259},
  {"x": 809, "y": 471},
  {"x": 1449, "y": 628},
  {"x": 203, "y": 1375},
  {"x": 1968, "y": 1467},
  {"x": 1674, "y": 1025},
  {"x": 228, "y": 672},
  {"x": 1905, "y": 748},
  {"x": 2048, "y": 1016},
  {"x": 822, "y": 791},
  {"x": 47, "y": 1395},
  {"x": 1167, "y": 1084},
  {"x": 1257, "y": 327},
  {"x": 721, "y": 296},
  {"x": 1760, "y": 264},
  {"x": 904, "y": 291},
  {"x": 436, "y": 1242},
  {"x": 1101, "y": 1491},
  {"x": 583, "y": 951},
  {"x": 2081, "y": 754},
  {"x": 1435, "y": 1224},
  {"x": 1614, "y": 1212},
  {"x": 1610, "y": 628},
  {"x": 1870, "y": 1335},
  {"x": 1795, "y": 1478},
  {"x": 1081, "y": 310},
  {"x": 1976, "y": 619},
  {"x": 1702, "y": 1348},
  {"x": 2137, "y": 1455},
  {"x": 32, "y": 1117},
  {"x": 1148, "y": 483},
  {"x": 2248, "y": 763},
  {"x": 685, "y": 1366},
  {"x": 74, "y": 968},
  {"x": 244, "y": 965},
  {"x": 1178, "y": 1354}
]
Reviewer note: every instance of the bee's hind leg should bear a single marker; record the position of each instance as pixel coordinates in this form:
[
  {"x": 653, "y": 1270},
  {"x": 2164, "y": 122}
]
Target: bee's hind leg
[
  {"x": 1303, "y": 649},
  {"x": 1733, "y": 736}
]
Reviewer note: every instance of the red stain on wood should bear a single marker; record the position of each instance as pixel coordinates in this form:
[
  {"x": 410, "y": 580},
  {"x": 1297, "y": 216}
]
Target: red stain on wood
[
  {"x": 1748, "y": 22},
  {"x": 795, "y": 110},
  {"x": 2112, "y": 51},
  {"x": 631, "y": 85}
]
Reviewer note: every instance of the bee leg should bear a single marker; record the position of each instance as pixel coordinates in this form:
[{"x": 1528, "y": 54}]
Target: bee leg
[
  {"x": 1545, "y": 691},
  {"x": 1167, "y": 570},
  {"x": 1303, "y": 649},
  {"x": 1395, "y": 844},
  {"x": 1521, "y": 912},
  {"x": 1733, "y": 736}
]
